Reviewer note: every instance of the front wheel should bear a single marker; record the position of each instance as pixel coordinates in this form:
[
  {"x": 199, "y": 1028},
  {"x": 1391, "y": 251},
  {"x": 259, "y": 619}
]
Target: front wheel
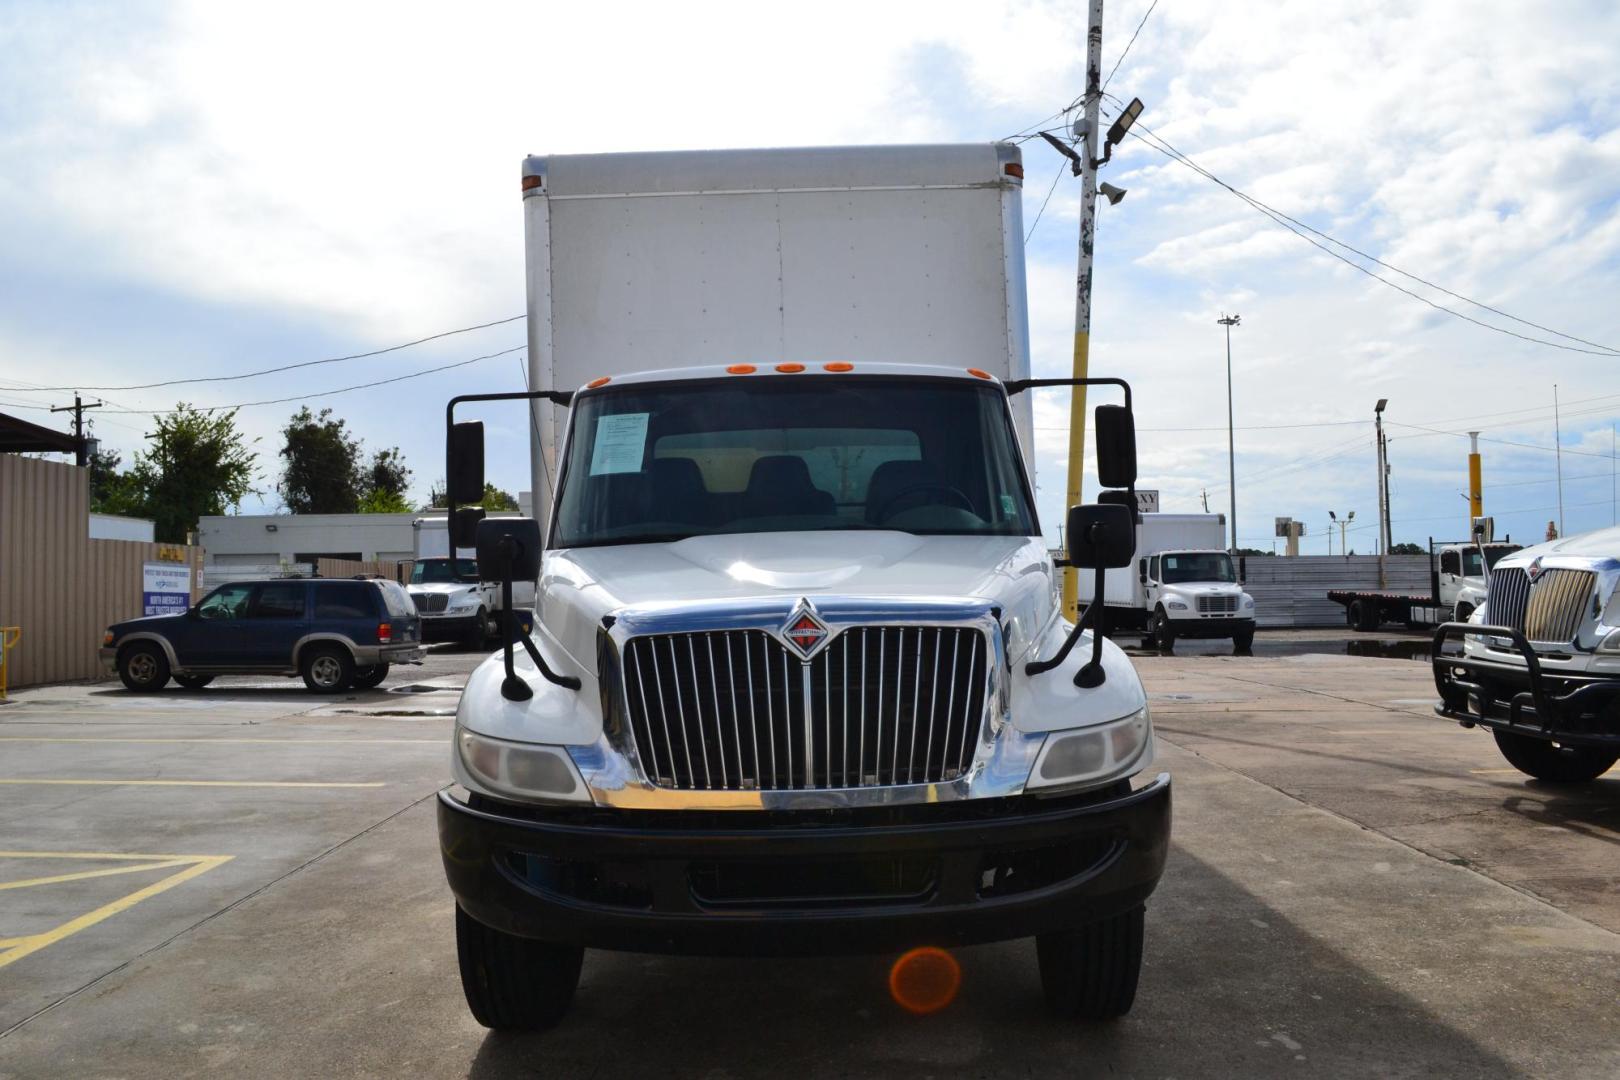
[
  {"x": 482, "y": 630},
  {"x": 1463, "y": 612},
  {"x": 1091, "y": 973},
  {"x": 143, "y": 667},
  {"x": 1164, "y": 632},
  {"x": 1243, "y": 641},
  {"x": 1554, "y": 763},
  {"x": 513, "y": 983}
]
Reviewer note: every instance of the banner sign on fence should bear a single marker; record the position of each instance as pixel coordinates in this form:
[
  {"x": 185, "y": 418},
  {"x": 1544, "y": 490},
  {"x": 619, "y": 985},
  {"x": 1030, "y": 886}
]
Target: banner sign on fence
[{"x": 165, "y": 588}]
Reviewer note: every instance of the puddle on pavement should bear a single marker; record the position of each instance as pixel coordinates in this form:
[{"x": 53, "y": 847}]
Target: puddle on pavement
[
  {"x": 424, "y": 688},
  {"x": 1389, "y": 650}
]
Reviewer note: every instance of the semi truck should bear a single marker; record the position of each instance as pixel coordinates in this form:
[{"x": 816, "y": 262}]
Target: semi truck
[
  {"x": 1181, "y": 583},
  {"x": 799, "y": 680},
  {"x": 1540, "y": 661},
  {"x": 1458, "y": 575},
  {"x": 453, "y": 603}
]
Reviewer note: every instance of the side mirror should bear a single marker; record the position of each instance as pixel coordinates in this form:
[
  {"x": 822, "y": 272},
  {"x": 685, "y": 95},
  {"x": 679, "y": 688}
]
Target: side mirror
[
  {"x": 1123, "y": 498},
  {"x": 508, "y": 549},
  {"x": 1116, "y": 447},
  {"x": 464, "y": 462},
  {"x": 1101, "y": 536},
  {"x": 464, "y": 527}
]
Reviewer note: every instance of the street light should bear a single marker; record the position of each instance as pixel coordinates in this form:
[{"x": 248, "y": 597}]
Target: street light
[
  {"x": 1344, "y": 526},
  {"x": 1230, "y": 321},
  {"x": 1383, "y": 481}
]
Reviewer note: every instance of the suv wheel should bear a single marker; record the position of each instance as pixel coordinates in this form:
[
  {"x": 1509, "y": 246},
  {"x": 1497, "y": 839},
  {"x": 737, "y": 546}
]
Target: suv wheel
[
  {"x": 327, "y": 669},
  {"x": 193, "y": 682},
  {"x": 513, "y": 983},
  {"x": 143, "y": 667},
  {"x": 1090, "y": 973},
  {"x": 369, "y": 678},
  {"x": 1554, "y": 763}
]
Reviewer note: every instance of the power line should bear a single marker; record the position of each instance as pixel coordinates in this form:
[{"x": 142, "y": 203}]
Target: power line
[
  {"x": 274, "y": 370},
  {"x": 1504, "y": 442},
  {"x": 1157, "y": 142},
  {"x": 328, "y": 393},
  {"x": 1128, "y": 45},
  {"x": 1063, "y": 167}
]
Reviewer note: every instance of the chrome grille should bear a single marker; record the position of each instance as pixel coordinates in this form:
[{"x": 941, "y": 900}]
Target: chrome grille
[
  {"x": 1550, "y": 610},
  {"x": 1217, "y": 605},
  {"x": 736, "y": 710},
  {"x": 430, "y": 603}
]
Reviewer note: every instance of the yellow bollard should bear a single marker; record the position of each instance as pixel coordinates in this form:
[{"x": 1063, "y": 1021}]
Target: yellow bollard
[{"x": 9, "y": 636}]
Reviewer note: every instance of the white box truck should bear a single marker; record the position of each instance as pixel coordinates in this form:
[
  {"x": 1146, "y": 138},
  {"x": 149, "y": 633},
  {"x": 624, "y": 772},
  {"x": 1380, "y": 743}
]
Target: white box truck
[
  {"x": 1181, "y": 584},
  {"x": 799, "y": 680},
  {"x": 451, "y": 600}
]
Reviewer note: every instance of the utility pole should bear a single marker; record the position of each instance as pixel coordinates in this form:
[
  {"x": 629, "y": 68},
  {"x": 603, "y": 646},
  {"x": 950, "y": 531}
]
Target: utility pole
[
  {"x": 1230, "y": 321},
  {"x": 1082, "y": 298},
  {"x": 1558, "y": 447},
  {"x": 1206, "y": 501},
  {"x": 1476, "y": 485},
  {"x": 1383, "y": 478},
  {"x": 78, "y": 409}
]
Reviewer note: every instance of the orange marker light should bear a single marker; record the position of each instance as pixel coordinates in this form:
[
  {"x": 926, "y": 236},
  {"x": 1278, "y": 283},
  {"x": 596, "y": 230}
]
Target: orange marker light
[
  {"x": 594, "y": 383},
  {"x": 977, "y": 374},
  {"x": 925, "y": 980},
  {"x": 790, "y": 369},
  {"x": 741, "y": 369},
  {"x": 839, "y": 365}
]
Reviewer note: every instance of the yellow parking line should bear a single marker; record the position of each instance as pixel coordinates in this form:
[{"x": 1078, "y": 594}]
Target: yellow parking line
[
  {"x": 201, "y": 783},
  {"x": 17, "y": 948},
  {"x": 300, "y": 742},
  {"x": 102, "y": 855},
  {"x": 82, "y": 874}
]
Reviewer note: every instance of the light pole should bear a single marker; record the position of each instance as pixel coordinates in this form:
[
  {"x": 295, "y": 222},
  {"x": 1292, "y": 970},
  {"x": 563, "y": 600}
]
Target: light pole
[
  {"x": 1344, "y": 527},
  {"x": 1383, "y": 480},
  {"x": 1230, "y": 321}
]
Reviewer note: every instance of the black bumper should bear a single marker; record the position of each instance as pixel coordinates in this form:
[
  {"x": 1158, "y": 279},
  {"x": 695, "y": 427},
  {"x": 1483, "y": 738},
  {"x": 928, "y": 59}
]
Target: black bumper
[
  {"x": 1475, "y": 692},
  {"x": 450, "y": 627},
  {"x": 1194, "y": 629},
  {"x": 776, "y": 883}
]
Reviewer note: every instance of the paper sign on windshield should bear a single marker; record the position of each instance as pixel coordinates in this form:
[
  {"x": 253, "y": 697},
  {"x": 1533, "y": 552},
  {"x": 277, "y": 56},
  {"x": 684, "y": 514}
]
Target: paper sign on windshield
[{"x": 621, "y": 442}]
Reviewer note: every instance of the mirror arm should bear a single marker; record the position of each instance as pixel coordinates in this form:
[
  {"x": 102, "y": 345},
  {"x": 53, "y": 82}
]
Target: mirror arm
[
  {"x": 1018, "y": 386},
  {"x": 557, "y": 397},
  {"x": 514, "y": 688}
]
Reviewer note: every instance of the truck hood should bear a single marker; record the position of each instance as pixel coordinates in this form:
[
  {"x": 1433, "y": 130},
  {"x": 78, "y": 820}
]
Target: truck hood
[{"x": 578, "y": 586}]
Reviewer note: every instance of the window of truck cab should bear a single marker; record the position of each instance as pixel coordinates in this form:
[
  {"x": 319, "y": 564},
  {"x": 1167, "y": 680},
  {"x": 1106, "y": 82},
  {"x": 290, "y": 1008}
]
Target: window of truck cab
[{"x": 661, "y": 461}]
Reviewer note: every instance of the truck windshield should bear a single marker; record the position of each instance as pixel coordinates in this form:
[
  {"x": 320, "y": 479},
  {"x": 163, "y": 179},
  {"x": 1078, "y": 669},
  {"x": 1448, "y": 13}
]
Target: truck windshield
[
  {"x": 1493, "y": 552},
  {"x": 664, "y": 461},
  {"x": 441, "y": 571},
  {"x": 1197, "y": 566}
]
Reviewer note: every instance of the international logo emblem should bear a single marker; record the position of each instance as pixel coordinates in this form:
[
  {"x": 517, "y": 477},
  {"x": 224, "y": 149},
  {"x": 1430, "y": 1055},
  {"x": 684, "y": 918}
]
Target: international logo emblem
[
  {"x": 804, "y": 630},
  {"x": 1533, "y": 571}
]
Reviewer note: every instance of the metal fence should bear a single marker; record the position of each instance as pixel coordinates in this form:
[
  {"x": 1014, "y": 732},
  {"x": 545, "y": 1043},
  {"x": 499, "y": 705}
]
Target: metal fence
[
  {"x": 1293, "y": 592},
  {"x": 58, "y": 585}
]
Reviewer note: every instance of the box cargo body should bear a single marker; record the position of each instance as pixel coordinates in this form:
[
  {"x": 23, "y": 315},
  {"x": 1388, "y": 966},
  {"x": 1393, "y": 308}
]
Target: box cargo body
[{"x": 892, "y": 254}]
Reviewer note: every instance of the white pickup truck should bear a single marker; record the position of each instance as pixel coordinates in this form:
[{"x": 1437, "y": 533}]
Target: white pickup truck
[
  {"x": 799, "y": 681},
  {"x": 1540, "y": 664}
]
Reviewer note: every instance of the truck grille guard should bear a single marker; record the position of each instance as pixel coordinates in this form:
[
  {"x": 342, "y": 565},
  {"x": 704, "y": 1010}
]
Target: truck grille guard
[
  {"x": 1576, "y": 711},
  {"x": 746, "y": 721}
]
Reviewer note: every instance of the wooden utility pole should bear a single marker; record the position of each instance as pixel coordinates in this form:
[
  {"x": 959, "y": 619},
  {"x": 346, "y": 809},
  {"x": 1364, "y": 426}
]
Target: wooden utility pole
[{"x": 78, "y": 409}]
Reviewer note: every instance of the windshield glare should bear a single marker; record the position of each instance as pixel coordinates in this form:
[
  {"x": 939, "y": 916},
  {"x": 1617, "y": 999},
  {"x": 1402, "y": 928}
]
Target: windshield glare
[
  {"x": 441, "y": 571},
  {"x": 1197, "y": 566},
  {"x": 664, "y": 461}
]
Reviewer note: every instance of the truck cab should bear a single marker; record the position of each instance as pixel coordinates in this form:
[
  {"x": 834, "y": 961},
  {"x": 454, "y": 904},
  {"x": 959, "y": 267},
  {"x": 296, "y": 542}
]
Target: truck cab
[
  {"x": 1540, "y": 661},
  {"x": 1464, "y": 569},
  {"x": 451, "y": 600},
  {"x": 1194, "y": 594}
]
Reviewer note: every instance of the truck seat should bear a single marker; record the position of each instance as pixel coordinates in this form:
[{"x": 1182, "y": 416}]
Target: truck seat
[{"x": 780, "y": 485}]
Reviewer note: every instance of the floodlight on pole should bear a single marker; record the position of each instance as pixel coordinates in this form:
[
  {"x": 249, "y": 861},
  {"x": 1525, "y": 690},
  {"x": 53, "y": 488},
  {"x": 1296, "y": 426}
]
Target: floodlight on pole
[{"x": 1111, "y": 193}]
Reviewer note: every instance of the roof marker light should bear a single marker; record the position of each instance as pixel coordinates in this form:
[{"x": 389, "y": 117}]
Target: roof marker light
[
  {"x": 741, "y": 369},
  {"x": 839, "y": 365},
  {"x": 790, "y": 369},
  {"x": 1014, "y": 168},
  {"x": 978, "y": 374},
  {"x": 594, "y": 383}
]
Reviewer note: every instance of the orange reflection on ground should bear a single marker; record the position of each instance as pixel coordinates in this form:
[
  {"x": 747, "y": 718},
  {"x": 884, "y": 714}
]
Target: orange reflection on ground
[{"x": 925, "y": 980}]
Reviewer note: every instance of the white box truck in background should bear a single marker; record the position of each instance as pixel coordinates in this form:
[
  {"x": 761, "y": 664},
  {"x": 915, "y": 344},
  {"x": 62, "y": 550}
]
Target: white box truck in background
[
  {"x": 453, "y": 604},
  {"x": 1181, "y": 584},
  {"x": 799, "y": 681}
]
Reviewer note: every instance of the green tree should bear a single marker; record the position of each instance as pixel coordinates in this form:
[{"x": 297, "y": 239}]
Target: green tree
[
  {"x": 387, "y": 474},
  {"x": 496, "y": 499},
  {"x": 381, "y": 501},
  {"x": 321, "y": 470},
  {"x": 111, "y": 491},
  {"x": 1407, "y": 549},
  {"x": 197, "y": 463}
]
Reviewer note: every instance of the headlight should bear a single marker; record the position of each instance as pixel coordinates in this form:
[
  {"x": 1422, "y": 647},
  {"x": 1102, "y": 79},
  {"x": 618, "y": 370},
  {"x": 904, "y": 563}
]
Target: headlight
[
  {"x": 1090, "y": 756},
  {"x": 463, "y": 603},
  {"x": 522, "y": 770},
  {"x": 1248, "y": 601},
  {"x": 108, "y": 638},
  {"x": 1175, "y": 605},
  {"x": 1611, "y": 643}
]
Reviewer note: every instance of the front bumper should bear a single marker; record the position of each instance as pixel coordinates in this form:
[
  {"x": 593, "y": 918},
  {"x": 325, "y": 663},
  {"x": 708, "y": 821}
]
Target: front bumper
[
  {"x": 1211, "y": 628},
  {"x": 1575, "y": 710},
  {"x": 439, "y": 627},
  {"x": 805, "y": 882}
]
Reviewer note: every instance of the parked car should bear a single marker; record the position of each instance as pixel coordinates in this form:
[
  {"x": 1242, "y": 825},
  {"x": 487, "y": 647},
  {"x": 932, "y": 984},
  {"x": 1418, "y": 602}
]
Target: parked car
[{"x": 337, "y": 634}]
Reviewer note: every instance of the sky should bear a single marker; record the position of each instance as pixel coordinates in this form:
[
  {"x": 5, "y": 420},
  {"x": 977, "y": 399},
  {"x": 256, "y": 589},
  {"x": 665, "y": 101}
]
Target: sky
[{"x": 201, "y": 190}]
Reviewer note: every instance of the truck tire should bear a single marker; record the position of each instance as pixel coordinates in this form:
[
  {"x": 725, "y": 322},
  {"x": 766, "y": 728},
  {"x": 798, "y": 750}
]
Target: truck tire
[
  {"x": 513, "y": 983},
  {"x": 193, "y": 682},
  {"x": 143, "y": 667},
  {"x": 327, "y": 669},
  {"x": 479, "y": 635},
  {"x": 369, "y": 678},
  {"x": 1554, "y": 763},
  {"x": 1364, "y": 616},
  {"x": 1164, "y": 632},
  {"x": 1243, "y": 641},
  {"x": 1090, "y": 973},
  {"x": 1462, "y": 612}
]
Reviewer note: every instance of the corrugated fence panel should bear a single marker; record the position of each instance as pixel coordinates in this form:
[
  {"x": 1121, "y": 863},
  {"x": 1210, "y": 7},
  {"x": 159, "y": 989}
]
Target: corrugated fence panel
[
  {"x": 1293, "y": 592},
  {"x": 60, "y": 586}
]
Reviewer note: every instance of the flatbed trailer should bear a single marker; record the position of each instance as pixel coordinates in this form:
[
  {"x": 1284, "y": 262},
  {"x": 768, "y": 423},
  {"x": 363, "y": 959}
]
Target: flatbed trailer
[
  {"x": 1453, "y": 591},
  {"x": 1367, "y": 611}
]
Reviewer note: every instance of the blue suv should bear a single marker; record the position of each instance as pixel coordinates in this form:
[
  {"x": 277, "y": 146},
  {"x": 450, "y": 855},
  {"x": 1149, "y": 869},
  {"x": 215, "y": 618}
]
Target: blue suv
[{"x": 337, "y": 634}]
